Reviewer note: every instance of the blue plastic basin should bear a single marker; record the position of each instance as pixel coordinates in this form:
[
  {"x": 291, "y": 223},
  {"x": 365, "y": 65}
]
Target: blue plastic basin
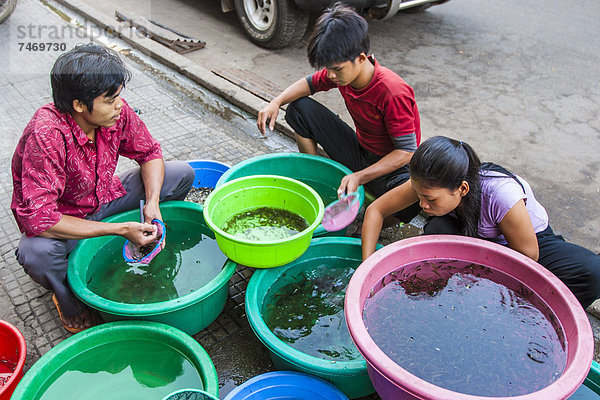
[
  {"x": 286, "y": 385},
  {"x": 207, "y": 172}
]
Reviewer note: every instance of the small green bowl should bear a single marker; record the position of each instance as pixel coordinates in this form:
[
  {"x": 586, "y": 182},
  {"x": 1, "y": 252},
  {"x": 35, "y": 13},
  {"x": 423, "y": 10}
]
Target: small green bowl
[
  {"x": 159, "y": 358},
  {"x": 255, "y": 191}
]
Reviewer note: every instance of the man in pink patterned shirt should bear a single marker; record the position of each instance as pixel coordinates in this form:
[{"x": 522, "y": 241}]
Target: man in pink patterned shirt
[{"x": 63, "y": 172}]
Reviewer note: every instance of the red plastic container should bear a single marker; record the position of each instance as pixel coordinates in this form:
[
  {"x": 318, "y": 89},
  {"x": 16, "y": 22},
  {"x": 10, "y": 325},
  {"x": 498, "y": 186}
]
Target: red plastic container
[
  {"x": 393, "y": 382},
  {"x": 12, "y": 353}
]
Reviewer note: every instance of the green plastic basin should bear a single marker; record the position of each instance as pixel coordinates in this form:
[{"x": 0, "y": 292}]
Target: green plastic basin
[
  {"x": 322, "y": 174},
  {"x": 119, "y": 361},
  {"x": 590, "y": 390},
  {"x": 190, "y": 313},
  {"x": 190, "y": 394},
  {"x": 349, "y": 376},
  {"x": 250, "y": 192}
]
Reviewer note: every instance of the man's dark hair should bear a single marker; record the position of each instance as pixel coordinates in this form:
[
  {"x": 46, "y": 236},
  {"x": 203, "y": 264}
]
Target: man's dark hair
[
  {"x": 84, "y": 73},
  {"x": 340, "y": 35}
]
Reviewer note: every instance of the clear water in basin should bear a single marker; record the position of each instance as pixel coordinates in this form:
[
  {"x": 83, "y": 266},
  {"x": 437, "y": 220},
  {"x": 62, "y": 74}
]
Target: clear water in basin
[
  {"x": 189, "y": 261},
  {"x": 466, "y": 328}
]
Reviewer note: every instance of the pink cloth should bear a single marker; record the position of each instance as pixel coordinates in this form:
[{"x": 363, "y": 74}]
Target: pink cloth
[
  {"x": 385, "y": 108},
  {"x": 57, "y": 170}
]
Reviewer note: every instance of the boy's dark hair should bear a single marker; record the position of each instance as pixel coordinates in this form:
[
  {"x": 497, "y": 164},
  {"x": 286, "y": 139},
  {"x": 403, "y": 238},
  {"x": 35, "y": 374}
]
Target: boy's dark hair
[
  {"x": 340, "y": 35},
  {"x": 84, "y": 73}
]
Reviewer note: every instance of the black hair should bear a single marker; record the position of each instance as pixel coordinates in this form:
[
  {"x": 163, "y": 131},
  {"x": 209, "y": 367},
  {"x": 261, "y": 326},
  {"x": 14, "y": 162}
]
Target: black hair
[
  {"x": 488, "y": 166},
  {"x": 340, "y": 34},
  {"x": 445, "y": 163},
  {"x": 84, "y": 73}
]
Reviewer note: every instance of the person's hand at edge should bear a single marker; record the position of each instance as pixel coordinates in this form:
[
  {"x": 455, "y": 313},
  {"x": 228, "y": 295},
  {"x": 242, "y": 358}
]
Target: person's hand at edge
[
  {"x": 140, "y": 234},
  {"x": 152, "y": 212},
  {"x": 267, "y": 117},
  {"x": 349, "y": 184}
]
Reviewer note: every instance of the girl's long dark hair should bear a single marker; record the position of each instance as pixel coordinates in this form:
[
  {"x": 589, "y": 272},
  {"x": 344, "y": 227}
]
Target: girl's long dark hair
[{"x": 445, "y": 163}]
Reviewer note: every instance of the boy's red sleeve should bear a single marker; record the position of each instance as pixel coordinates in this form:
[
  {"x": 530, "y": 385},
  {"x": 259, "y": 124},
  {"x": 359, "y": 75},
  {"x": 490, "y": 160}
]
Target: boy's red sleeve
[{"x": 319, "y": 82}]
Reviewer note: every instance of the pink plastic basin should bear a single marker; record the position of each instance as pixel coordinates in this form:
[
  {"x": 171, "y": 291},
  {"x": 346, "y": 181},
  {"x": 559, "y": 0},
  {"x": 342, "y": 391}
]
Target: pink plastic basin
[
  {"x": 12, "y": 350},
  {"x": 394, "y": 383}
]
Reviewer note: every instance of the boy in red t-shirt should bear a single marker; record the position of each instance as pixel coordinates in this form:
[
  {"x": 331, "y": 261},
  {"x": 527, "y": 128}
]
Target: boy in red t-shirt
[{"x": 381, "y": 104}]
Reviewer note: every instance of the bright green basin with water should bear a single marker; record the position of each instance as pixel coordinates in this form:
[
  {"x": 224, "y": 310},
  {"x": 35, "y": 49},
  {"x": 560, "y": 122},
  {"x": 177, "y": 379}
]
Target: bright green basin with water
[
  {"x": 192, "y": 310},
  {"x": 322, "y": 174},
  {"x": 120, "y": 361}
]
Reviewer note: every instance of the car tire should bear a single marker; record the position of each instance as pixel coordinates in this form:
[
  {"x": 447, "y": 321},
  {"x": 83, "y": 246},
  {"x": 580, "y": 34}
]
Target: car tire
[
  {"x": 6, "y": 8},
  {"x": 272, "y": 23}
]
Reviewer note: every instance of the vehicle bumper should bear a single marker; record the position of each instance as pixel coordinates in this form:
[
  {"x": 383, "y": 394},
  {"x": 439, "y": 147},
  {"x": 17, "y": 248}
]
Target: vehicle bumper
[
  {"x": 397, "y": 5},
  {"x": 318, "y": 5},
  {"x": 375, "y": 9}
]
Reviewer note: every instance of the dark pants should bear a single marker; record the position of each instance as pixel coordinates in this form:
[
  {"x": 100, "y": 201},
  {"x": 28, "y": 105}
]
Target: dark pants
[
  {"x": 46, "y": 260},
  {"x": 312, "y": 120},
  {"x": 575, "y": 266}
]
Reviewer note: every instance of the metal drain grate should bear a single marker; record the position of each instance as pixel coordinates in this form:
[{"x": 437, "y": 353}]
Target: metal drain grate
[{"x": 249, "y": 81}]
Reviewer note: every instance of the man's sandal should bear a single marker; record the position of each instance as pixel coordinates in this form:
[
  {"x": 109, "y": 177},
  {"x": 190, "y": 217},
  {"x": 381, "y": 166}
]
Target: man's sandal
[{"x": 68, "y": 328}]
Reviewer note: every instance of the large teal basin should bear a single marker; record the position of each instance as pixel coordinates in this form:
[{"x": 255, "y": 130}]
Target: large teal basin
[
  {"x": 191, "y": 313},
  {"x": 120, "y": 361},
  {"x": 348, "y": 376}
]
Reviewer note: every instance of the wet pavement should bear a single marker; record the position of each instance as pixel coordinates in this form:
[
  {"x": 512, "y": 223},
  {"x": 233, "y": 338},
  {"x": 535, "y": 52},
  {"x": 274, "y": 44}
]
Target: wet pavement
[{"x": 190, "y": 122}]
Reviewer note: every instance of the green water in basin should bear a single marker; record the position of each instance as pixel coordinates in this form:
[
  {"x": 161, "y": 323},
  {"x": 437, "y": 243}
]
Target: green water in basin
[
  {"x": 123, "y": 370},
  {"x": 265, "y": 224},
  {"x": 308, "y": 312},
  {"x": 189, "y": 261}
]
